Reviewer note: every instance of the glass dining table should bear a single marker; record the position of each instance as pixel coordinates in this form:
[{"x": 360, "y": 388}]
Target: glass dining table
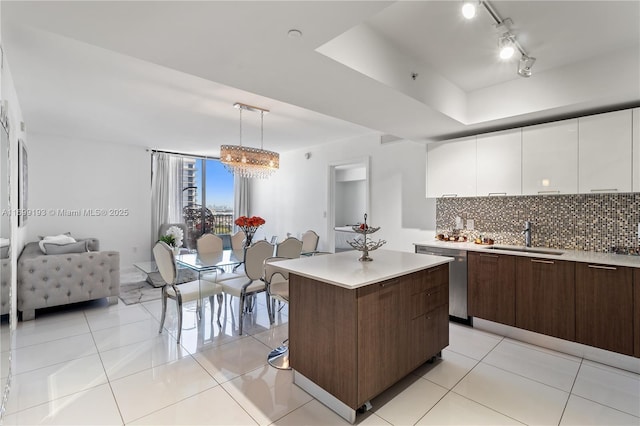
[
  {"x": 211, "y": 262},
  {"x": 202, "y": 263}
]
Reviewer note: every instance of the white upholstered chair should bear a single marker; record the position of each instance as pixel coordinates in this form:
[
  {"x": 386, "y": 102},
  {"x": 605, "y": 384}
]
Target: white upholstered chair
[
  {"x": 309, "y": 241},
  {"x": 206, "y": 244},
  {"x": 289, "y": 248},
  {"x": 251, "y": 283},
  {"x": 182, "y": 293},
  {"x": 209, "y": 243},
  {"x": 237, "y": 243},
  {"x": 237, "y": 240}
]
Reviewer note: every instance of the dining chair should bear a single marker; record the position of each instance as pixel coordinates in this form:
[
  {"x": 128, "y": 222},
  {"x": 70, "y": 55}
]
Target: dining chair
[
  {"x": 309, "y": 241},
  {"x": 187, "y": 292},
  {"x": 237, "y": 243},
  {"x": 251, "y": 283},
  {"x": 237, "y": 240},
  {"x": 209, "y": 243},
  {"x": 289, "y": 248},
  {"x": 277, "y": 287}
]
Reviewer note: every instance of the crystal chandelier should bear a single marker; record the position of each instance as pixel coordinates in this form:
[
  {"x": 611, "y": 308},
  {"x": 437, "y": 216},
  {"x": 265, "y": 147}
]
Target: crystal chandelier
[{"x": 250, "y": 162}]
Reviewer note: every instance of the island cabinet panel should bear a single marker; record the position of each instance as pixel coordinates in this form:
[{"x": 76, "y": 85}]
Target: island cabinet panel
[
  {"x": 604, "y": 307},
  {"x": 545, "y": 296},
  {"x": 355, "y": 343},
  {"x": 492, "y": 287},
  {"x": 323, "y": 336},
  {"x": 636, "y": 311},
  {"x": 382, "y": 329}
]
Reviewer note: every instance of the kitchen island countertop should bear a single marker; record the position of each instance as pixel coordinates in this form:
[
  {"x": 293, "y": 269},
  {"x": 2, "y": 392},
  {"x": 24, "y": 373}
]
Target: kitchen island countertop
[{"x": 345, "y": 270}]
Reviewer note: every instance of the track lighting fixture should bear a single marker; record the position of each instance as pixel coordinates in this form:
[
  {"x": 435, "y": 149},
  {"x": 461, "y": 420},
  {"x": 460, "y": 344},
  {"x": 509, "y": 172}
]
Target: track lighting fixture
[
  {"x": 524, "y": 66},
  {"x": 507, "y": 41}
]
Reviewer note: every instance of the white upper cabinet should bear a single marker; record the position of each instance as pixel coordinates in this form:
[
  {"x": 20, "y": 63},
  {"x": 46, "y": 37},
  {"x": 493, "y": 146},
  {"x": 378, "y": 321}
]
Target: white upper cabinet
[
  {"x": 605, "y": 153},
  {"x": 451, "y": 168},
  {"x": 550, "y": 158},
  {"x": 499, "y": 163},
  {"x": 636, "y": 150}
]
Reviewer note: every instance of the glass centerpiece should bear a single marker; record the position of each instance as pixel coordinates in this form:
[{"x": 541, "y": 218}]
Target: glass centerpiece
[{"x": 361, "y": 244}]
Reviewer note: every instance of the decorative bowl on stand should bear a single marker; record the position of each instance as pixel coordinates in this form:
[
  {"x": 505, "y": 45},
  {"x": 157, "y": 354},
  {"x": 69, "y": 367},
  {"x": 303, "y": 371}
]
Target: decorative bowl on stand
[{"x": 362, "y": 244}]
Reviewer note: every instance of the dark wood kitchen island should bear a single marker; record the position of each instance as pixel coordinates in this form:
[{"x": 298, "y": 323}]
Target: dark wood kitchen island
[{"x": 356, "y": 328}]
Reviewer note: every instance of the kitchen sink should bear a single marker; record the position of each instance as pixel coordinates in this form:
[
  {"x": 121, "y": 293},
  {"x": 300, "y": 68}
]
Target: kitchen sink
[{"x": 526, "y": 250}]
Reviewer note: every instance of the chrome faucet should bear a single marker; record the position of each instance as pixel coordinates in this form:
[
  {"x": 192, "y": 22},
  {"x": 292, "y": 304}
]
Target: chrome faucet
[{"x": 527, "y": 233}]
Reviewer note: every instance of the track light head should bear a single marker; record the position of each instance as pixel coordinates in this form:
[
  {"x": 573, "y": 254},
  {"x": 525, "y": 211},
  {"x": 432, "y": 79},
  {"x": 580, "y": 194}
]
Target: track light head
[
  {"x": 506, "y": 43},
  {"x": 524, "y": 66}
]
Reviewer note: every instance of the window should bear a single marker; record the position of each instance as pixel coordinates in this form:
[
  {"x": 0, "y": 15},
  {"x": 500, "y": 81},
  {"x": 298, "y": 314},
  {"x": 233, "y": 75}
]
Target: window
[{"x": 207, "y": 198}]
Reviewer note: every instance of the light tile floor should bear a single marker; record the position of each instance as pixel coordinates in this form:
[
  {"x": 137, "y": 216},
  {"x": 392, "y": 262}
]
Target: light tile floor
[{"x": 98, "y": 364}]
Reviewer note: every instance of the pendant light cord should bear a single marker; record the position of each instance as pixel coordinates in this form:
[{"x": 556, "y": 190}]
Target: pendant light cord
[
  {"x": 261, "y": 129},
  {"x": 240, "y": 126}
]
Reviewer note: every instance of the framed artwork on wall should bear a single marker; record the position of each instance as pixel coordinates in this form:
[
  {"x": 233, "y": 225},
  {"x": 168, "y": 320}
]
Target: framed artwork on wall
[{"x": 23, "y": 182}]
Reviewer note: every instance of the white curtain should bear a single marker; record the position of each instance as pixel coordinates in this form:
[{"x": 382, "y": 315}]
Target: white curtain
[
  {"x": 240, "y": 196},
  {"x": 166, "y": 191}
]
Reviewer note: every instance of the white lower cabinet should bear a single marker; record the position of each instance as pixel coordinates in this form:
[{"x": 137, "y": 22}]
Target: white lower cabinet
[
  {"x": 550, "y": 158},
  {"x": 499, "y": 163},
  {"x": 451, "y": 168},
  {"x": 605, "y": 153}
]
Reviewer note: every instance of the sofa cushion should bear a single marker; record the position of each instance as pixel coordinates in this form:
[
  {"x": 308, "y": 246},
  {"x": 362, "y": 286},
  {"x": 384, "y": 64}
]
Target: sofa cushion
[{"x": 76, "y": 247}]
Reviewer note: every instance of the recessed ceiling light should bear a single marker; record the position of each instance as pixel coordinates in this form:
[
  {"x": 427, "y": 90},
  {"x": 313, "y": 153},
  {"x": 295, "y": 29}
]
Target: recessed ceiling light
[{"x": 294, "y": 34}]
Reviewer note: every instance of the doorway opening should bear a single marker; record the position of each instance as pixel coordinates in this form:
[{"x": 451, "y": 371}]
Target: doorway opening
[{"x": 349, "y": 200}]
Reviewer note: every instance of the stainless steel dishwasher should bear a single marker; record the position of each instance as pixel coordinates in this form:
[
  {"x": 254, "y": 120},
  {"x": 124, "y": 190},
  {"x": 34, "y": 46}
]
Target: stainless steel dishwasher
[{"x": 457, "y": 279}]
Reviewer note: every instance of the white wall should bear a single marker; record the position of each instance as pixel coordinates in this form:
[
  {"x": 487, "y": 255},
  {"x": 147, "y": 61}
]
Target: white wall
[
  {"x": 81, "y": 174},
  {"x": 295, "y": 198}
]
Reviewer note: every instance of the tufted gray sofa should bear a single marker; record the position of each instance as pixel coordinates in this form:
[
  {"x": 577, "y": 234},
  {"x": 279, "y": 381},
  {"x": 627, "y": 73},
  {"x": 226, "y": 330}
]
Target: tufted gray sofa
[{"x": 46, "y": 280}]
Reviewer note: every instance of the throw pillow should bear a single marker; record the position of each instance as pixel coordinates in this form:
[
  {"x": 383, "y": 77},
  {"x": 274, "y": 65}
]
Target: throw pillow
[
  {"x": 42, "y": 237},
  {"x": 77, "y": 247},
  {"x": 55, "y": 239}
]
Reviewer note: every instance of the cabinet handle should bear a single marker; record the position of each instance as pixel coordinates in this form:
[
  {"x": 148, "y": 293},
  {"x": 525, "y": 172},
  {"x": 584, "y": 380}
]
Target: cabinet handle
[
  {"x": 610, "y": 268},
  {"x": 605, "y": 190},
  {"x": 550, "y": 262},
  {"x": 389, "y": 284},
  {"x": 449, "y": 195},
  {"x": 557, "y": 191},
  {"x": 491, "y": 194},
  {"x": 495, "y": 256}
]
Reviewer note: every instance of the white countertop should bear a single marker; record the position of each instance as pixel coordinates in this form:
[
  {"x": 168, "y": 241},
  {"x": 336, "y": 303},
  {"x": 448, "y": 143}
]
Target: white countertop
[
  {"x": 345, "y": 270},
  {"x": 569, "y": 255}
]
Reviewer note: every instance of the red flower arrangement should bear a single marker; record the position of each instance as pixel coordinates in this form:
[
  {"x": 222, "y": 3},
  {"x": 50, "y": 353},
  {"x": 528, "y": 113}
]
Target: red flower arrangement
[{"x": 249, "y": 225}]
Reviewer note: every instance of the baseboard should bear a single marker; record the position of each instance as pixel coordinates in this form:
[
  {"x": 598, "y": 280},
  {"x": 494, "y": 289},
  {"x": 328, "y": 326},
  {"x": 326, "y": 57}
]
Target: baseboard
[{"x": 613, "y": 359}]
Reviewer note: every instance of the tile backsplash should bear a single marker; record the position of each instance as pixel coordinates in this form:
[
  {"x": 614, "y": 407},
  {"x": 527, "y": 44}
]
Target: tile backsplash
[{"x": 590, "y": 222}]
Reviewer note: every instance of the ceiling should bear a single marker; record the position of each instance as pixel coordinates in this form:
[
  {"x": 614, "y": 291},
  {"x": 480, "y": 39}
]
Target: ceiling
[{"x": 165, "y": 74}]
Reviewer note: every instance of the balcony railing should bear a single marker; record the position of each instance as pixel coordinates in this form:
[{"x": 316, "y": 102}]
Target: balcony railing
[{"x": 218, "y": 223}]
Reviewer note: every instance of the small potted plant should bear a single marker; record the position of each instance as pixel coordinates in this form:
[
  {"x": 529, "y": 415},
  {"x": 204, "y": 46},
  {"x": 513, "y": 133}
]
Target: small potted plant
[{"x": 173, "y": 238}]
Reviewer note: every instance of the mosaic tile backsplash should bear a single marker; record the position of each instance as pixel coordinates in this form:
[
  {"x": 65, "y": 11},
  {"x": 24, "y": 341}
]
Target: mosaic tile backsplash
[{"x": 589, "y": 222}]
